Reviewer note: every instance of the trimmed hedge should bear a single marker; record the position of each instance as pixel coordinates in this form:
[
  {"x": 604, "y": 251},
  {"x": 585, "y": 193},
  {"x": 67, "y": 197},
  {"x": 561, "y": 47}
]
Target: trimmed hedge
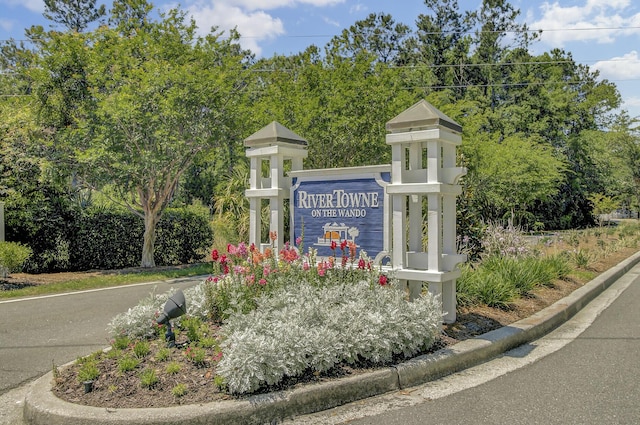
[{"x": 113, "y": 240}]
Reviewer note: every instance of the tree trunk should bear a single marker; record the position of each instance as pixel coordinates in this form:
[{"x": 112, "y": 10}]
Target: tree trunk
[{"x": 150, "y": 221}]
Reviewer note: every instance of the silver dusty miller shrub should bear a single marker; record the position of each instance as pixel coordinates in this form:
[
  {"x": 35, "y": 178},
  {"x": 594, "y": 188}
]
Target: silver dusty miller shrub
[{"x": 305, "y": 327}]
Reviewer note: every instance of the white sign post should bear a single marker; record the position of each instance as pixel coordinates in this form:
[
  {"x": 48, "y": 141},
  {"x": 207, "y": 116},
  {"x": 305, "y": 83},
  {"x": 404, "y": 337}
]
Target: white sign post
[{"x": 423, "y": 142}]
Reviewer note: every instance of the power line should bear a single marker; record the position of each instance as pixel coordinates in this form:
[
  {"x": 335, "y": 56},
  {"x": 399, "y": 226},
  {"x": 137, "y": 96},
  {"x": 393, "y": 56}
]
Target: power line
[
  {"x": 452, "y": 86},
  {"x": 518, "y": 31}
]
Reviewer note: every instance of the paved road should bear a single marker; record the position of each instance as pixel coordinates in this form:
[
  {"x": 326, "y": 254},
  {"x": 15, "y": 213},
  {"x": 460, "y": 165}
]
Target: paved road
[
  {"x": 37, "y": 332},
  {"x": 585, "y": 372}
]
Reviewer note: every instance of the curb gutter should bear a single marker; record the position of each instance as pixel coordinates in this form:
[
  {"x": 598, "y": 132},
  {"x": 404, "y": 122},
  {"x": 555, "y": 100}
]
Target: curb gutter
[{"x": 41, "y": 407}]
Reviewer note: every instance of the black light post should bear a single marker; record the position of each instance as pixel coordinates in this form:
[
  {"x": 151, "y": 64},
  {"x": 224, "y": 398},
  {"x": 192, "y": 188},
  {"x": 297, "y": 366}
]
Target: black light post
[{"x": 175, "y": 306}]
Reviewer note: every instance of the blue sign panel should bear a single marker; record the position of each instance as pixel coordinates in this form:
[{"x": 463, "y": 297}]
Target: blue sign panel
[{"x": 340, "y": 209}]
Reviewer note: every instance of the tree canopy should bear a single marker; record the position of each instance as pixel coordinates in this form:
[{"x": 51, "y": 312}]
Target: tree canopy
[{"x": 155, "y": 113}]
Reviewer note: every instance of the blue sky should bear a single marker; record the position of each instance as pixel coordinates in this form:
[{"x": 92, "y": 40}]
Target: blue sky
[{"x": 603, "y": 34}]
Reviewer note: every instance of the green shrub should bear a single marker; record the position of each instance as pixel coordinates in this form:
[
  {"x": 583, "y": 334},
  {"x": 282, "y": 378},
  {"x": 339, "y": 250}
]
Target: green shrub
[
  {"x": 482, "y": 286},
  {"x": 109, "y": 239},
  {"x": 582, "y": 258},
  {"x": 45, "y": 223},
  {"x": 127, "y": 364},
  {"x": 88, "y": 371},
  {"x": 12, "y": 256},
  {"x": 558, "y": 265},
  {"x": 163, "y": 354},
  {"x": 497, "y": 281},
  {"x": 196, "y": 355},
  {"x": 193, "y": 328},
  {"x": 141, "y": 349},
  {"x": 179, "y": 390},
  {"x": 173, "y": 368},
  {"x": 149, "y": 378},
  {"x": 120, "y": 342}
]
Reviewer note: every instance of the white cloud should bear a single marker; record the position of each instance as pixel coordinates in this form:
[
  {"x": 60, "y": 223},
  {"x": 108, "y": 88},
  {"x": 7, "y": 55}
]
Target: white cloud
[
  {"x": 274, "y": 4},
  {"x": 251, "y": 17},
  {"x": 253, "y": 26},
  {"x": 562, "y": 24},
  {"x": 330, "y": 21},
  {"x": 626, "y": 67},
  {"x": 6, "y": 25},
  {"x": 32, "y": 5},
  {"x": 357, "y": 8},
  {"x": 633, "y": 101}
]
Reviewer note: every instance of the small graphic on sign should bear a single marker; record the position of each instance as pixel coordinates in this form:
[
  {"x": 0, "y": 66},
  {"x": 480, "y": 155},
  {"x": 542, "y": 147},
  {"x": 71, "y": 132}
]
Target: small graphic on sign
[{"x": 338, "y": 233}]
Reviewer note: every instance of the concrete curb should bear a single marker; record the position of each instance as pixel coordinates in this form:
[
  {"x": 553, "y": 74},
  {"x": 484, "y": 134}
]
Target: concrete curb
[{"x": 41, "y": 407}]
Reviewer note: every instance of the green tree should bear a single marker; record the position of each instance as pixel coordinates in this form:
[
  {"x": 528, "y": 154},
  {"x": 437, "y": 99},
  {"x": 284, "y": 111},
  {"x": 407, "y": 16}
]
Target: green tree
[
  {"x": 508, "y": 177},
  {"x": 443, "y": 42},
  {"x": 74, "y": 15},
  {"x": 378, "y": 35},
  {"x": 602, "y": 205},
  {"x": 159, "y": 96},
  {"x": 624, "y": 144}
]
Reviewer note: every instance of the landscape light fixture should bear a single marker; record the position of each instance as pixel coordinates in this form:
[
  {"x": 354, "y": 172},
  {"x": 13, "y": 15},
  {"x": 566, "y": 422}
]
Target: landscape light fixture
[{"x": 175, "y": 306}]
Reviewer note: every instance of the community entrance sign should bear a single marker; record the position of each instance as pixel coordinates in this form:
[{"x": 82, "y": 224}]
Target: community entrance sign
[
  {"x": 345, "y": 204},
  {"x": 403, "y": 214}
]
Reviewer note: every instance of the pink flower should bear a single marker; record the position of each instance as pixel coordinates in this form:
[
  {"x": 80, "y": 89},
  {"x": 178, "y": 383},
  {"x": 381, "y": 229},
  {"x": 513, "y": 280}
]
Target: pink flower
[
  {"x": 298, "y": 240},
  {"x": 305, "y": 266},
  {"x": 263, "y": 281}
]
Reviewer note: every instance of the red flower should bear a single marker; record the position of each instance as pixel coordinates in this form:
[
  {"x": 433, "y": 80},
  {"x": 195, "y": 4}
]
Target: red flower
[
  {"x": 215, "y": 255},
  {"x": 361, "y": 264},
  {"x": 333, "y": 245},
  {"x": 383, "y": 280}
]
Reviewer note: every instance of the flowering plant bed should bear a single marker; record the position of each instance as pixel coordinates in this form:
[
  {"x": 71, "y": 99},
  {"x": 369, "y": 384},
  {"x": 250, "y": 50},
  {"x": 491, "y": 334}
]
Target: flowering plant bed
[
  {"x": 258, "y": 323},
  {"x": 190, "y": 373}
]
